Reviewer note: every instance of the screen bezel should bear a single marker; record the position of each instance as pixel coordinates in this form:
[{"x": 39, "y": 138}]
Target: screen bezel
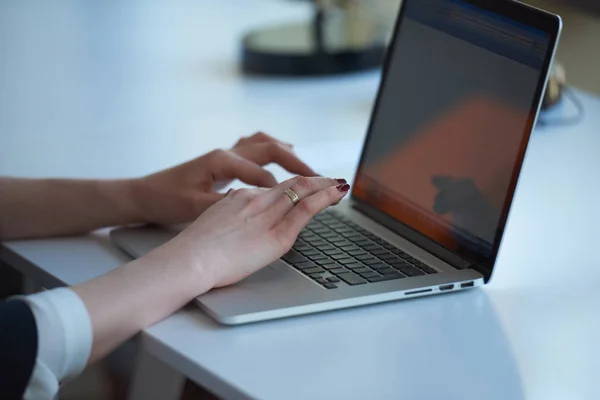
[{"x": 550, "y": 24}]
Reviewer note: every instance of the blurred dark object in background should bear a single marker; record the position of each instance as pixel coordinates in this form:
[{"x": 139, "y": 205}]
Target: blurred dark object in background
[{"x": 342, "y": 37}]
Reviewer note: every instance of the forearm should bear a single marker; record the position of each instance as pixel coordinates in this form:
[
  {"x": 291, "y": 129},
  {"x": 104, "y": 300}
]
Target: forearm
[
  {"x": 50, "y": 207},
  {"x": 139, "y": 294}
]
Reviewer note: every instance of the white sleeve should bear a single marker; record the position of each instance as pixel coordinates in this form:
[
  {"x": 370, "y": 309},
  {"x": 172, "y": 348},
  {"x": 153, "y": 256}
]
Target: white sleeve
[{"x": 64, "y": 340}]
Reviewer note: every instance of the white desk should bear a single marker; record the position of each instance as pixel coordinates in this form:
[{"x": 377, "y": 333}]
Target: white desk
[{"x": 110, "y": 90}]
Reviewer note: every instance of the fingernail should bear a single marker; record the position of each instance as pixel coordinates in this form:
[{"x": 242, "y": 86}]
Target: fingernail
[
  {"x": 343, "y": 188},
  {"x": 341, "y": 180}
]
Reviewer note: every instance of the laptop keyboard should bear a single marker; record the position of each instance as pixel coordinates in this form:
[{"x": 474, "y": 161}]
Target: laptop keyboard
[{"x": 333, "y": 249}]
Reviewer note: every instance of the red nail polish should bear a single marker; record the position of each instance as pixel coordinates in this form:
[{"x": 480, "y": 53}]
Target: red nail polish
[
  {"x": 343, "y": 188},
  {"x": 341, "y": 180}
]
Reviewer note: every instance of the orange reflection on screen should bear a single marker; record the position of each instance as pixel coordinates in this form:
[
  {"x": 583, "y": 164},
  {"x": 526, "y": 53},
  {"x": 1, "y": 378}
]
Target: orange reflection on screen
[{"x": 480, "y": 139}]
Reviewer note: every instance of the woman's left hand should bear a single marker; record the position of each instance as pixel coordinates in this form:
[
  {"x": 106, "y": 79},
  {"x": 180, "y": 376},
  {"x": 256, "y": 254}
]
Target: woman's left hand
[{"x": 180, "y": 194}]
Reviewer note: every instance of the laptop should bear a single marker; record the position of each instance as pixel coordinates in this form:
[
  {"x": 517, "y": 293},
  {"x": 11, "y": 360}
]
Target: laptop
[{"x": 459, "y": 97}]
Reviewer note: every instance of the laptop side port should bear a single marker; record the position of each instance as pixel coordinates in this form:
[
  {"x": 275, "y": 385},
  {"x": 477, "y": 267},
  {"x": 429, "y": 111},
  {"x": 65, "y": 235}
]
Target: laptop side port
[
  {"x": 446, "y": 287},
  {"x": 467, "y": 285}
]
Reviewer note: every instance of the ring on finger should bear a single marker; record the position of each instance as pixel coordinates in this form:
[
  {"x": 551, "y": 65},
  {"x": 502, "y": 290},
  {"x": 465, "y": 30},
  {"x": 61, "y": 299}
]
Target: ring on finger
[{"x": 292, "y": 195}]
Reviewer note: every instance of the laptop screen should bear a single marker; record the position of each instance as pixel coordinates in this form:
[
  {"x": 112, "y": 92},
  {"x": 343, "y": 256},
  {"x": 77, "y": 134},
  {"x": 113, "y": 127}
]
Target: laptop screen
[{"x": 452, "y": 120}]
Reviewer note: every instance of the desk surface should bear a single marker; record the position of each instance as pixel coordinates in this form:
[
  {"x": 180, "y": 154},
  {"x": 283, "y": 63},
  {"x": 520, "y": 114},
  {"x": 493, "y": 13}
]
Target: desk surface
[{"x": 120, "y": 90}]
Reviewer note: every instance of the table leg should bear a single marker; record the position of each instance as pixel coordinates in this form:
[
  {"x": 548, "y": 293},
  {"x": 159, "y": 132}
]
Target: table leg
[{"x": 153, "y": 379}]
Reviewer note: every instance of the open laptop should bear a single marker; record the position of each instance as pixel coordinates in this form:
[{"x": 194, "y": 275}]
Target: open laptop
[{"x": 460, "y": 94}]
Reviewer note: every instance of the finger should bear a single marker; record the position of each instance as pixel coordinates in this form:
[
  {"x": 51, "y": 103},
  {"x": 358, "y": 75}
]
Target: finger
[
  {"x": 228, "y": 165},
  {"x": 266, "y": 153},
  {"x": 288, "y": 229},
  {"x": 279, "y": 204},
  {"x": 260, "y": 137}
]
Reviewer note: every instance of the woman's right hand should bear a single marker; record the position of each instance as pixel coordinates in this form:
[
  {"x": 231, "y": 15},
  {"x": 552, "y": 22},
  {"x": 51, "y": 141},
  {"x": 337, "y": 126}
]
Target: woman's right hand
[
  {"x": 251, "y": 228},
  {"x": 242, "y": 233}
]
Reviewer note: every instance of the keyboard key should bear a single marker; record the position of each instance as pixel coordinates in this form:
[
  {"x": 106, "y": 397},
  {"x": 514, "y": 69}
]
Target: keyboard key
[
  {"x": 388, "y": 257},
  {"x": 352, "y": 279},
  {"x": 321, "y": 280},
  {"x": 366, "y": 257},
  {"x": 378, "y": 278},
  {"x": 332, "y": 252},
  {"x": 380, "y": 242},
  {"x": 302, "y": 248},
  {"x": 330, "y": 285},
  {"x": 380, "y": 266},
  {"x": 331, "y": 266},
  {"x": 363, "y": 242},
  {"x": 391, "y": 277},
  {"x": 379, "y": 252},
  {"x": 374, "y": 263},
  {"x": 319, "y": 242},
  {"x": 361, "y": 270},
  {"x": 370, "y": 247},
  {"x": 398, "y": 252},
  {"x": 389, "y": 246},
  {"x": 338, "y": 271},
  {"x": 411, "y": 271},
  {"x": 325, "y": 247},
  {"x": 333, "y": 279},
  {"x": 315, "y": 270},
  {"x": 398, "y": 263},
  {"x": 340, "y": 256},
  {"x": 387, "y": 271},
  {"x": 354, "y": 266},
  {"x": 427, "y": 269},
  {"x": 318, "y": 257},
  {"x": 315, "y": 276},
  {"x": 311, "y": 252},
  {"x": 349, "y": 248},
  {"x": 309, "y": 238},
  {"x": 304, "y": 265},
  {"x": 357, "y": 252},
  {"x": 325, "y": 261},
  {"x": 329, "y": 235},
  {"x": 370, "y": 274},
  {"x": 293, "y": 257},
  {"x": 313, "y": 239}
]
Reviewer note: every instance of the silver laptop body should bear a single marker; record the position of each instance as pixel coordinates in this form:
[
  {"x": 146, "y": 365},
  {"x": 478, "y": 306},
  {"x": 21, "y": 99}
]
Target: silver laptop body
[{"x": 451, "y": 253}]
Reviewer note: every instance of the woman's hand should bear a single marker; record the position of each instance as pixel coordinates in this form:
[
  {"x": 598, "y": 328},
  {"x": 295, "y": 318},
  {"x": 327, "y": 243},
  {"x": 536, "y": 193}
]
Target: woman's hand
[
  {"x": 251, "y": 228},
  {"x": 181, "y": 193},
  {"x": 244, "y": 232}
]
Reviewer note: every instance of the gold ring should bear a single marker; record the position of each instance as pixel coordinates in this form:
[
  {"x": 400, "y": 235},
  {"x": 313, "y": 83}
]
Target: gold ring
[{"x": 292, "y": 195}]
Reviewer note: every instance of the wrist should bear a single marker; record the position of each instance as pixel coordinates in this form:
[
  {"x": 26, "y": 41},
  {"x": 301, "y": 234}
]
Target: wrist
[
  {"x": 191, "y": 277},
  {"x": 124, "y": 196}
]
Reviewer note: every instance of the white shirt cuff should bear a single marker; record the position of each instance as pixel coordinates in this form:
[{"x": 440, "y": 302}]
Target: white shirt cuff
[{"x": 65, "y": 339}]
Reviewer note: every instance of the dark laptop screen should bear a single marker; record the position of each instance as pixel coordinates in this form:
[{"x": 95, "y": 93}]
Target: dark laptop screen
[{"x": 451, "y": 122}]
